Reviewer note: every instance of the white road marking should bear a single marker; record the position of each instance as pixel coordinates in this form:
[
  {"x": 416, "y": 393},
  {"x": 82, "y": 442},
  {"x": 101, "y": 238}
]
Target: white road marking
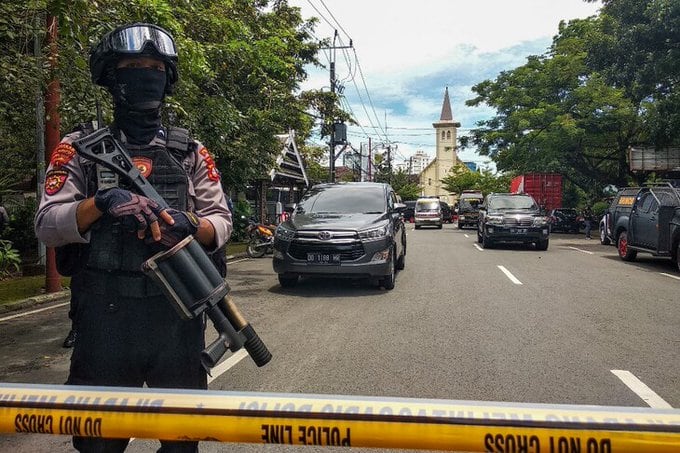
[
  {"x": 223, "y": 367},
  {"x": 639, "y": 387},
  {"x": 32, "y": 312},
  {"x": 238, "y": 261},
  {"x": 466, "y": 235},
  {"x": 478, "y": 247},
  {"x": 662, "y": 273},
  {"x": 508, "y": 274},
  {"x": 580, "y": 250}
]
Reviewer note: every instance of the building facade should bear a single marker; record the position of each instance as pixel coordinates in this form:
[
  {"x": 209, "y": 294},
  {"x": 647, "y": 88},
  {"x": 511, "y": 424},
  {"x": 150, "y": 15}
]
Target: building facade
[{"x": 446, "y": 155}]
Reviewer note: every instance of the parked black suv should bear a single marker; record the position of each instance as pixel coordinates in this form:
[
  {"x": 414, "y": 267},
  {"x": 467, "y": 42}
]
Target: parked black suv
[
  {"x": 615, "y": 219},
  {"x": 352, "y": 229},
  {"x": 564, "y": 219},
  {"x": 512, "y": 217}
]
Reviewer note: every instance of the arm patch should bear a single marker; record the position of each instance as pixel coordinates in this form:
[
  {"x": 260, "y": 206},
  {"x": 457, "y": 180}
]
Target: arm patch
[{"x": 213, "y": 172}]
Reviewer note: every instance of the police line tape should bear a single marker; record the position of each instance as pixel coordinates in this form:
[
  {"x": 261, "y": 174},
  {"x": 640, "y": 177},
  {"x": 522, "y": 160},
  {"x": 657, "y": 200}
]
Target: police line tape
[{"x": 331, "y": 420}]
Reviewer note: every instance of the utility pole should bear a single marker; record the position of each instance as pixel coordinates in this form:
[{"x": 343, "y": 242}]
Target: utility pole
[
  {"x": 389, "y": 163},
  {"x": 370, "y": 161},
  {"x": 338, "y": 131},
  {"x": 52, "y": 137}
]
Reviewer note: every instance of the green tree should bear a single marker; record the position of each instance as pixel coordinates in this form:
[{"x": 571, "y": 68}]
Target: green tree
[{"x": 461, "y": 178}]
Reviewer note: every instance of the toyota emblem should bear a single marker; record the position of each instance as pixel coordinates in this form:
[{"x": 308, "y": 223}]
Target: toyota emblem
[{"x": 325, "y": 235}]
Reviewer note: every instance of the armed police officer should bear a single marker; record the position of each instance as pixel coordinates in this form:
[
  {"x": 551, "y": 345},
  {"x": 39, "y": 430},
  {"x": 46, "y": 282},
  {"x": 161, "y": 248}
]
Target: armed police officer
[{"x": 128, "y": 333}]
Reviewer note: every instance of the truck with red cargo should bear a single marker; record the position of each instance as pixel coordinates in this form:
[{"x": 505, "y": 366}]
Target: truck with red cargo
[{"x": 546, "y": 188}]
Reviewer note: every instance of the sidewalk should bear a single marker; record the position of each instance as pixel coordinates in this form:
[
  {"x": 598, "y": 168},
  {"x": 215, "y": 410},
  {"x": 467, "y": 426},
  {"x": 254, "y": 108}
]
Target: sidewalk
[{"x": 60, "y": 296}]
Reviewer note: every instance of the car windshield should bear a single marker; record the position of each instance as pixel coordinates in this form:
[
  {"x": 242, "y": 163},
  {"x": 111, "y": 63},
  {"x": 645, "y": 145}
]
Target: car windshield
[
  {"x": 512, "y": 202},
  {"x": 427, "y": 206},
  {"x": 343, "y": 200},
  {"x": 469, "y": 203}
]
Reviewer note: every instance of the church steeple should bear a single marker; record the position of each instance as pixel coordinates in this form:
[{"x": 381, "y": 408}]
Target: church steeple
[{"x": 446, "y": 108}]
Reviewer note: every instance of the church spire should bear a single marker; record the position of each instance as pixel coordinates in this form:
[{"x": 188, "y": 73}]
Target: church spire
[{"x": 446, "y": 108}]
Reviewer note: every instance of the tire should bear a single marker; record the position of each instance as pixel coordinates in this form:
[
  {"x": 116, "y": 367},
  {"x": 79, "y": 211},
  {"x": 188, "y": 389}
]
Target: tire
[
  {"x": 439, "y": 227},
  {"x": 625, "y": 253},
  {"x": 543, "y": 245},
  {"x": 460, "y": 227},
  {"x": 389, "y": 280},
  {"x": 479, "y": 236},
  {"x": 486, "y": 242},
  {"x": 677, "y": 257},
  {"x": 287, "y": 280},
  {"x": 253, "y": 250},
  {"x": 604, "y": 240},
  {"x": 417, "y": 227},
  {"x": 401, "y": 261}
]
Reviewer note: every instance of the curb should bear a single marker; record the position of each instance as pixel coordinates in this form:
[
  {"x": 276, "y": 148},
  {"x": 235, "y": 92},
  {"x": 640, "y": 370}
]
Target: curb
[{"x": 61, "y": 296}]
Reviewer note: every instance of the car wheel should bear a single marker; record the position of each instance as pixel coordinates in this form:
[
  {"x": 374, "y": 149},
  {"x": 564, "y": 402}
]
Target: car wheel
[
  {"x": 388, "y": 281},
  {"x": 625, "y": 252},
  {"x": 288, "y": 280},
  {"x": 542, "y": 245},
  {"x": 417, "y": 227},
  {"x": 401, "y": 262},
  {"x": 440, "y": 226},
  {"x": 460, "y": 226},
  {"x": 486, "y": 242},
  {"x": 604, "y": 240},
  {"x": 479, "y": 236},
  {"x": 677, "y": 256}
]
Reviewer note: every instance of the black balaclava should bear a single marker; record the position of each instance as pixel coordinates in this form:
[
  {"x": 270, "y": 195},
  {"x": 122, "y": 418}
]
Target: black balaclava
[{"x": 138, "y": 95}]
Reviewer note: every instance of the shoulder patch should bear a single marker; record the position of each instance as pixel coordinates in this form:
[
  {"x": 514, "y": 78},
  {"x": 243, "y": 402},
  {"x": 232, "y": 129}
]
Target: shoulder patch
[
  {"x": 213, "y": 172},
  {"x": 62, "y": 155},
  {"x": 144, "y": 165},
  {"x": 54, "y": 181}
]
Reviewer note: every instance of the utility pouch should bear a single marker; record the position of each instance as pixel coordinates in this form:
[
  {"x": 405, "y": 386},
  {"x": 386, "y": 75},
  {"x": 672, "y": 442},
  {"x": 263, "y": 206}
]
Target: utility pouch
[{"x": 71, "y": 258}]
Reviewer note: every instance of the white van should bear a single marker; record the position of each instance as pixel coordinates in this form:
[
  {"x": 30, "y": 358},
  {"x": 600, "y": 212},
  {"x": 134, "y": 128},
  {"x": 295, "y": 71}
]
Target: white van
[{"x": 428, "y": 211}]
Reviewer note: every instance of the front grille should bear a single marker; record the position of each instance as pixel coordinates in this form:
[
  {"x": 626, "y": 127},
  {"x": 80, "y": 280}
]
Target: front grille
[
  {"x": 523, "y": 221},
  {"x": 348, "y": 251}
]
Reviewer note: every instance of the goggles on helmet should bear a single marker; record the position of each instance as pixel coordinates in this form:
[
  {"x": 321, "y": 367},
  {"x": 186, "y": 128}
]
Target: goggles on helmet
[{"x": 134, "y": 38}]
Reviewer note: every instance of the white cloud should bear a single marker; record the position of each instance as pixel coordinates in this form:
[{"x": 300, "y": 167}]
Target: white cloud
[{"x": 410, "y": 51}]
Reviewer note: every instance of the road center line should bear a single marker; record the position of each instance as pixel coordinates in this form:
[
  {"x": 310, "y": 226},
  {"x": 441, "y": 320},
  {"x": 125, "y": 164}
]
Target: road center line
[
  {"x": 223, "y": 367},
  {"x": 639, "y": 387},
  {"x": 508, "y": 274},
  {"x": 662, "y": 273},
  {"x": 478, "y": 247},
  {"x": 580, "y": 250},
  {"x": 32, "y": 312}
]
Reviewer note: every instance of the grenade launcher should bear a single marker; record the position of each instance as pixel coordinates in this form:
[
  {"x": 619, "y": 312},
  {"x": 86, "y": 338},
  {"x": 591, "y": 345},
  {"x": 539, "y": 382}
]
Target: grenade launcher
[{"x": 185, "y": 272}]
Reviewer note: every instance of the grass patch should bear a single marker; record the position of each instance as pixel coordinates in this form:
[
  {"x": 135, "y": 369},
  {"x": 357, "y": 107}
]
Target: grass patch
[{"x": 14, "y": 289}]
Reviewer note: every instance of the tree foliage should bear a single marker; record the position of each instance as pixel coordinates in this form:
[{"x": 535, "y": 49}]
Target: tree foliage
[
  {"x": 241, "y": 64},
  {"x": 605, "y": 83},
  {"x": 461, "y": 178}
]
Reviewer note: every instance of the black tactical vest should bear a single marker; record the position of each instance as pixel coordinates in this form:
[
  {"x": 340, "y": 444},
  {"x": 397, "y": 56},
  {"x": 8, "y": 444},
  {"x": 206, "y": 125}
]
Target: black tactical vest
[{"x": 114, "y": 245}]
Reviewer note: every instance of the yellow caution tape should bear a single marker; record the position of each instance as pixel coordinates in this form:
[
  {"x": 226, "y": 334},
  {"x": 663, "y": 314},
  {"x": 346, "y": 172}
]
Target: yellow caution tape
[{"x": 330, "y": 420}]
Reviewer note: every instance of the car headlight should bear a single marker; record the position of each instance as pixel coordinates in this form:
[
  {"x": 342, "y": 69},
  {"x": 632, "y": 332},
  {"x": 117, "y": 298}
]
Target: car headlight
[
  {"x": 284, "y": 233},
  {"x": 373, "y": 233},
  {"x": 540, "y": 221},
  {"x": 495, "y": 220}
]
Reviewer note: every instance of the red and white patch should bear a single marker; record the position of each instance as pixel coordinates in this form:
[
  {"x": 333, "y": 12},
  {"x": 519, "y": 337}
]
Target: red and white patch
[
  {"x": 62, "y": 155},
  {"x": 144, "y": 165},
  {"x": 54, "y": 181},
  {"x": 213, "y": 172}
]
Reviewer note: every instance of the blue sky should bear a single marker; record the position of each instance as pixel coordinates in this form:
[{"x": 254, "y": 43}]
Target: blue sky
[{"x": 408, "y": 52}]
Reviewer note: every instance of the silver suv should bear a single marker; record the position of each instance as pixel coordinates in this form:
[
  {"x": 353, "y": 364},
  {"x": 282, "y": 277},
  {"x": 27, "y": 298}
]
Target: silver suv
[{"x": 350, "y": 230}]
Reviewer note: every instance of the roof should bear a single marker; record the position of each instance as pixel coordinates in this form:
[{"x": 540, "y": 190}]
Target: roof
[{"x": 289, "y": 166}]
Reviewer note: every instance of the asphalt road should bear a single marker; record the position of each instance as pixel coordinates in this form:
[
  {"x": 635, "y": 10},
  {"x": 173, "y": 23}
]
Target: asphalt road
[{"x": 505, "y": 324}]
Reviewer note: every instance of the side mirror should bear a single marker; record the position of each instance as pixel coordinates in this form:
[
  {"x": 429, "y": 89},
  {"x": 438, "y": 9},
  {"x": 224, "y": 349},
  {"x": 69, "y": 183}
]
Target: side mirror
[
  {"x": 290, "y": 208},
  {"x": 400, "y": 207}
]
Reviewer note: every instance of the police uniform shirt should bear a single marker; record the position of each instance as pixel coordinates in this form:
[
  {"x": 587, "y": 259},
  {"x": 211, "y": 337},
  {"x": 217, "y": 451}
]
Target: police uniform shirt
[{"x": 66, "y": 187}]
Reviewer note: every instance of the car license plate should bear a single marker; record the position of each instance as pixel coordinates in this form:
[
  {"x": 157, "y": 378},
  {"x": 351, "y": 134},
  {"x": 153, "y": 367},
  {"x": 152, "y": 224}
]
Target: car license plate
[
  {"x": 518, "y": 230},
  {"x": 323, "y": 258}
]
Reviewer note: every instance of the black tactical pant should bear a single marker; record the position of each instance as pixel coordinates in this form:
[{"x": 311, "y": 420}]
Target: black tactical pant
[{"x": 126, "y": 341}]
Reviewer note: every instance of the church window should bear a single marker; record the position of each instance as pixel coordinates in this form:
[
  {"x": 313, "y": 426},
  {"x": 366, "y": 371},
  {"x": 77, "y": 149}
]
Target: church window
[
  {"x": 442, "y": 135},
  {"x": 429, "y": 181},
  {"x": 448, "y": 135}
]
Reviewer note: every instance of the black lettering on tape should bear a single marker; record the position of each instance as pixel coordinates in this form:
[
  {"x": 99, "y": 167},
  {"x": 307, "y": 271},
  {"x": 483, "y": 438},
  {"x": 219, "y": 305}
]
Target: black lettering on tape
[
  {"x": 512, "y": 443},
  {"x": 38, "y": 424},
  {"x": 70, "y": 425}
]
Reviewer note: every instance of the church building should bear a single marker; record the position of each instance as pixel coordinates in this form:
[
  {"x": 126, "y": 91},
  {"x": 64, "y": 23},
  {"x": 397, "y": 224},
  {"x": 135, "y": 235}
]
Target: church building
[{"x": 446, "y": 157}]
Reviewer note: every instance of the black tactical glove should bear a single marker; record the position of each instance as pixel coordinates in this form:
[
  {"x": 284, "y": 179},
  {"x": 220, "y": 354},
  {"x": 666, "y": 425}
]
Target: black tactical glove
[
  {"x": 186, "y": 224},
  {"x": 118, "y": 202}
]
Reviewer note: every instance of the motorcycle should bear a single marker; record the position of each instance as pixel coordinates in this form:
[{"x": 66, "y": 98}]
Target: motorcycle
[{"x": 261, "y": 239}]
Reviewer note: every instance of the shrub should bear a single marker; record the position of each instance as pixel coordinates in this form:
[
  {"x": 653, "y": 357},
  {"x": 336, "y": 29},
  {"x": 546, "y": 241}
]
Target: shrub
[{"x": 9, "y": 259}]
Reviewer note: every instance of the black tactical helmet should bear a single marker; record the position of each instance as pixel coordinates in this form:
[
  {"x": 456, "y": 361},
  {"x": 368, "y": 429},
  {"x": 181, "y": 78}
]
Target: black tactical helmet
[{"x": 129, "y": 40}]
